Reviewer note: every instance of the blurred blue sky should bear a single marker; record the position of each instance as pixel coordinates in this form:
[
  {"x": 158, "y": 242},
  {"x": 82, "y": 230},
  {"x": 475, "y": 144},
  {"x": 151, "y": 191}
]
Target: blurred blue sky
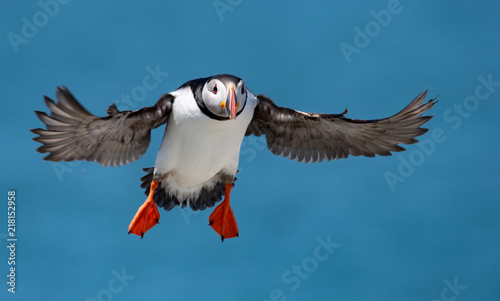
[{"x": 420, "y": 225}]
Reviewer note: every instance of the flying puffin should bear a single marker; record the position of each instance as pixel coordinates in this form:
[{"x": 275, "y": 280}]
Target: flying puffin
[{"x": 207, "y": 119}]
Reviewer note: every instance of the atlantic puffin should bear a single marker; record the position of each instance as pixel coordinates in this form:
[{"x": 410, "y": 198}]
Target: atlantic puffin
[{"x": 206, "y": 120}]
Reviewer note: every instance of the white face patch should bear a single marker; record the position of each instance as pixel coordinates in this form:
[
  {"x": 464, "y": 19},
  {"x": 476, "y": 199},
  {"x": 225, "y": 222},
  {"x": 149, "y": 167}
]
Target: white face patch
[
  {"x": 214, "y": 94},
  {"x": 241, "y": 96}
]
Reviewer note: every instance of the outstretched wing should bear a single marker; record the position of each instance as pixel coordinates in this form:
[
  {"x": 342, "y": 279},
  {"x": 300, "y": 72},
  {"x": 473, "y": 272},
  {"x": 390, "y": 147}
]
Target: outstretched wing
[
  {"x": 73, "y": 133},
  {"x": 309, "y": 137}
]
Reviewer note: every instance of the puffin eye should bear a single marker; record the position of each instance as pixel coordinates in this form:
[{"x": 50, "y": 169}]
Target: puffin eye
[
  {"x": 214, "y": 90},
  {"x": 242, "y": 90}
]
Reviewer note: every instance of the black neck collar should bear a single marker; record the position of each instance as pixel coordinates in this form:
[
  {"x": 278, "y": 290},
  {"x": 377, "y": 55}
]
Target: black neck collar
[{"x": 196, "y": 87}]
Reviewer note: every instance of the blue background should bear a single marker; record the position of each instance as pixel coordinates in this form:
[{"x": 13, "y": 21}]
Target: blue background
[{"x": 402, "y": 241}]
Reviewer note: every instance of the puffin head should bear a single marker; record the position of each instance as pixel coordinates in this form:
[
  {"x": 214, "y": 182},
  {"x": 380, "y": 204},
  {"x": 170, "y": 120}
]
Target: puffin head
[{"x": 223, "y": 96}]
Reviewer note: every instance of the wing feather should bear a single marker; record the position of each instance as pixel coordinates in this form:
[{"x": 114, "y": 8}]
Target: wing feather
[
  {"x": 311, "y": 137},
  {"x": 73, "y": 133}
]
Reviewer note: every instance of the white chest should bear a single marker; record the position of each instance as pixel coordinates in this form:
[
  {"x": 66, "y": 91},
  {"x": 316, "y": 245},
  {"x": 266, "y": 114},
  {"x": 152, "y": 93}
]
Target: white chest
[{"x": 195, "y": 147}]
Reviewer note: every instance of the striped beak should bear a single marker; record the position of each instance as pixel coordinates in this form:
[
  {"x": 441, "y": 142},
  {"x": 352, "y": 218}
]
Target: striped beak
[{"x": 231, "y": 103}]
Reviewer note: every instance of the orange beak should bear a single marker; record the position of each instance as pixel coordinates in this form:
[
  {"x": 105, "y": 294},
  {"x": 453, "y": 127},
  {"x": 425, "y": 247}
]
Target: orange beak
[{"x": 231, "y": 103}]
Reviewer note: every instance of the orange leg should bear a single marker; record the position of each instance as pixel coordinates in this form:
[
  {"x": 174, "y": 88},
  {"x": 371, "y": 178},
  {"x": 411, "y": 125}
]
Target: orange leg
[
  {"x": 222, "y": 219},
  {"x": 147, "y": 216}
]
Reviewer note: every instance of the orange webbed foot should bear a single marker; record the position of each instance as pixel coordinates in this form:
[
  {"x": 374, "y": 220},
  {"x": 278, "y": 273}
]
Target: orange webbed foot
[
  {"x": 222, "y": 218},
  {"x": 147, "y": 216}
]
